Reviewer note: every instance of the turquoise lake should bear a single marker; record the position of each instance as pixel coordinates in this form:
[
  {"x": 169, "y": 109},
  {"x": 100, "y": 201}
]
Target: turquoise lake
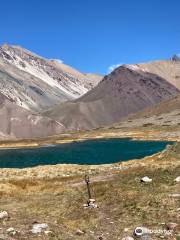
[{"x": 100, "y": 151}]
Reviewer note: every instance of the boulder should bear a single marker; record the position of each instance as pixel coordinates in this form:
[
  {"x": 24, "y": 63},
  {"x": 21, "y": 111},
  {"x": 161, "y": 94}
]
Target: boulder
[
  {"x": 3, "y": 214},
  {"x": 80, "y": 232},
  {"x": 146, "y": 179},
  {"x": 39, "y": 227},
  {"x": 47, "y": 232},
  {"x": 177, "y": 179},
  {"x": 11, "y": 231},
  {"x": 90, "y": 204}
]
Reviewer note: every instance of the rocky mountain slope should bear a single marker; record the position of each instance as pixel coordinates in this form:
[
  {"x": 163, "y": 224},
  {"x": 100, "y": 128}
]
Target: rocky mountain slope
[
  {"x": 167, "y": 106},
  {"x": 164, "y": 116},
  {"x": 17, "y": 122},
  {"x": 29, "y": 84},
  {"x": 47, "y": 97},
  {"x": 35, "y": 83},
  {"x": 169, "y": 70},
  {"x": 128, "y": 89}
]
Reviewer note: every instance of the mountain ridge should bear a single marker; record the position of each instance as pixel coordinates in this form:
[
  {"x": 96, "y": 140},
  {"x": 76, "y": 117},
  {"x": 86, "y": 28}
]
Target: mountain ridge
[
  {"x": 59, "y": 98},
  {"x": 63, "y": 81},
  {"x": 128, "y": 89}
]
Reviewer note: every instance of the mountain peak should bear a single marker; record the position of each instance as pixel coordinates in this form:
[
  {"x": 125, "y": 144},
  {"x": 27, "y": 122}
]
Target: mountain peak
[{"x": 17, "y": 49}]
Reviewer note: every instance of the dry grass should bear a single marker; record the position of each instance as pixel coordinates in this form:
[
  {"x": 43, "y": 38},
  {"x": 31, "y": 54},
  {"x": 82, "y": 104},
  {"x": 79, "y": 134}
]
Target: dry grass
[{"x": 124, "y": 202}]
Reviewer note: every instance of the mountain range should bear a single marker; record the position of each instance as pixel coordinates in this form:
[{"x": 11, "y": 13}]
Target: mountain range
[
  {"x": 128, "y": 89},
  {"x": 41, "y": 97}
]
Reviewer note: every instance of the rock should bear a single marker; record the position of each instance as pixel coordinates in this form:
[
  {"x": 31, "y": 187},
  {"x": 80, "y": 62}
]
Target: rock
[
  {"x": 4, "y": 214},
  {"x": 126, "y": 229},
  {"x": 38, "y": 228},
  {"x": 177, "y": 179},
  {"x": 171, "y": 226},
  {"x": 48, "y": 232},
  {"x": 146, "y": 179},
  {"x": 128, "y": 238},
  {"x": 79, "y": 232},
  {"x": 90, "y": 204},
  {"x": 11, "y": 231}
]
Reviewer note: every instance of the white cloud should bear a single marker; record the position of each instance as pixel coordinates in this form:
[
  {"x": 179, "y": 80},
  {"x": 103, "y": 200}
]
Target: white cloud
[
  {"x": 114, "y": 66},
  {"x": 57, "y": 60}
]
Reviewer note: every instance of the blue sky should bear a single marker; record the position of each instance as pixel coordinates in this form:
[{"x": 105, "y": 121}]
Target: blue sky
[{"x": 92, "y": 35}]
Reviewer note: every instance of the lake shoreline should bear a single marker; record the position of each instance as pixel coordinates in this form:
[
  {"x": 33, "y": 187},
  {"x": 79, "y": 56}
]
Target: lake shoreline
[
  {"x": 68, "y": 171},
  {"x": 151, "y": 135},
  {"x": 89, "y": 152}
]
